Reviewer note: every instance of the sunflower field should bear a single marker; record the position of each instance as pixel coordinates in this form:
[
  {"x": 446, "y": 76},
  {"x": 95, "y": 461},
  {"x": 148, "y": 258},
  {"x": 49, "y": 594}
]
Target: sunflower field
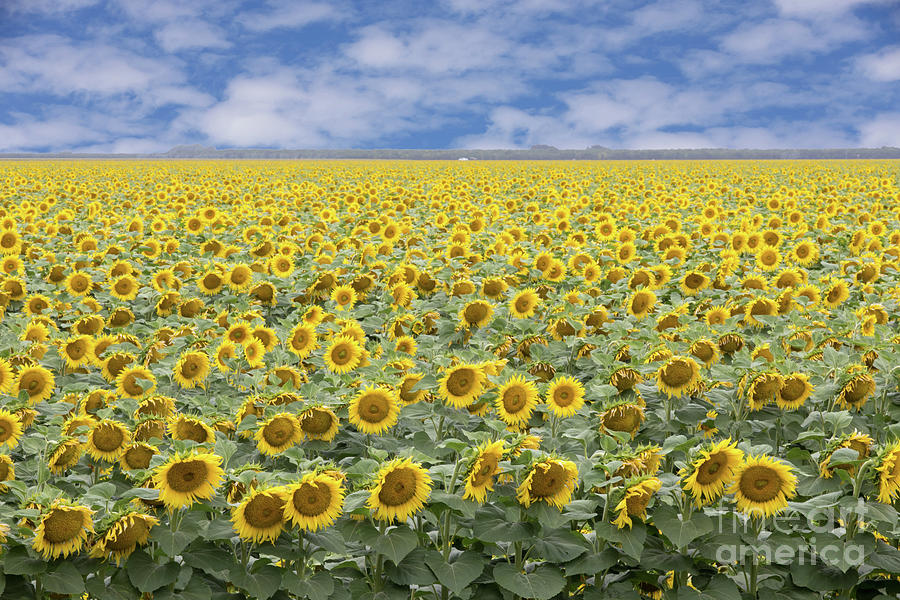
[{"x": 279, "y": 380}]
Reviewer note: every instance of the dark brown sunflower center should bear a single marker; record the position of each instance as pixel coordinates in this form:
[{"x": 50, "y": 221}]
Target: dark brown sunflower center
[
  {"x": 191, "y": 430},
  {"x": 514, "y": 399},
  {"x": 760, "y": 483},
  {"x": 637, "y": 503},
  {"x": 487, "y": 466},
  {"x": 316, "y": 421},
  {"x": 374, "y": 408},
  {"x": 461, "y": 382},
  {"x": 138, "y": 457},
  {"x": 63, "y": 525},
  {"x": 264, "y": 511},
  {"x": 6, "y": 430},
  {"x": 399, "y": 487},
  {"x": 623, "y": 418},
  {"x": 278, "y": 431},
  {"x": 312, "y": 499},
  {"x": 107, "y": 438},
  {"x": 187, "y": 476},
  {"x": 341, "y": 355},
  {"x": 547, "y": 480},
  {"x": 677, "y": 374},
  {"x": 711, "y": 470},
  {"x": 792, "y": 389},
  {"x": 564, "y": 396}
]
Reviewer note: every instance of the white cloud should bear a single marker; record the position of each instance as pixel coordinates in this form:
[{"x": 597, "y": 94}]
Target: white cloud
[
  {"x": 883, "y": 130},
  {"x": 45, "y": 6},
  {"x": 290, "y": 16},
  {"x": 818, "y": 8},
  {"x": 30, "y": 133},
  {"x": 192, "y": 34},
  {"x": 881, "y": 66}
]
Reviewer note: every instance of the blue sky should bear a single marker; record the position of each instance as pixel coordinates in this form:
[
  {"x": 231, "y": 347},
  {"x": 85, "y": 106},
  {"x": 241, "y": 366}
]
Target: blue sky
[{"x": 146, "y": 75}]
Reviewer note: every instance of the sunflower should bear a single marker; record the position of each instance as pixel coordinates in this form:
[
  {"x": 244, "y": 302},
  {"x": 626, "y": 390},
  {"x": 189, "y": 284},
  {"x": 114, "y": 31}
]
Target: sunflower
[
  {"x": 836, "y": 292},
  {"x": 6, "y": 376},
  {"x": 480, "y": 479},
  {"x": 255, "y": 353},
  {"x": 184, "y": 479},
  {"x": 225, "y": 352},
  {"x": 476, "y": 313},
  {"x": 10, "y": 429},
  {"x": 123, "y": 536},
  {"x": 302, "y": 340},
  {"x": 319, "y": 423},
  {"x": 184, "y": 427},
  {"x": 763, "y": 388},
  {"x": 856, "y": 391},
  {"x": 65, "y": 455},
  {"x": 210, "y": 283},
  {"x": 763, "y": 485},
  {"x": 260, "y": 515},
  {"x": 706, "y": 351},
  {"x": 7, "y": 473},
  {"x": 343, "y": 355},
  {"x": 641, "y": 303},
  {"x": 400, "y": 489},
  {"x": 314, "y": 502},
  {"x": 79, "y": 283},
  {"x": 277, "y": 434},
  {"x": 63, "y": 530},
  {"x": 795, "y": 390},
  {"x": 344, "y": 297},
  {"x": 191, "y": 369},
  {"x": 516, "y": 400},
  {"x": 524, "y": 303},
  {"x": 77, "y": 351},
  {"x": 857, "y": 441},
  {"x": 637, "y": 496},
  {"x": 550, "y": 480},
  {"x": 678, "y": 376},
  {"x": 374, "y": 410},
  {"x": 711, "y": 471},
  {"x": 462, "y": 384},
  {"x": 37, "y": 382},
  {"x": 125, "y": 288},
  {"x": 565, "y": 396},
  {"x": 717, "y": 315},
  {"x": 888, "y": 469},
  {"x": 135, "y": 382},
  {"x": 693, "y": 283},
  {"x": 107, "y": 440},
  {"x": 136, "y": 455},
  {"x": 239, "y": 278},
  {"x": 623, "y": 416}
]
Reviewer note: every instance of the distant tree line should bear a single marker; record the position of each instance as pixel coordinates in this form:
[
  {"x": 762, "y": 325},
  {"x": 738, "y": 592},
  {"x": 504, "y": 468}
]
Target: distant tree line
[{"x": 538, "y": 152}]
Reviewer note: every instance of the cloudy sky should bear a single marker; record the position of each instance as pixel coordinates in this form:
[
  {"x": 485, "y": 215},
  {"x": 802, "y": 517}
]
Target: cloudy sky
[{"x": 145, "y": 75}]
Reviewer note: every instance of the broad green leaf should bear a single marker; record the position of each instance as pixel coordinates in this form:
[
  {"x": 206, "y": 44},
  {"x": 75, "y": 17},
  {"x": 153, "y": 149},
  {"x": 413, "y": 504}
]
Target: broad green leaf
[
  {"x": 63, "y": 578},
  {"x": 681, "y": 533},
  {"x": 147, "y": 575},
  {"x": 260, "y": 584},
  {"x": 457, "y": 573},
  {"x": 396, "y": 543},
  {"x": 541, "y": 584}
]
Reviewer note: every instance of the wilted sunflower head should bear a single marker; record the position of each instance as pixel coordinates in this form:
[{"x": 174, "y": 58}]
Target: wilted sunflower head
[
  {"x": 63, "y": 530},
  {"x": 551, "y": 480}
]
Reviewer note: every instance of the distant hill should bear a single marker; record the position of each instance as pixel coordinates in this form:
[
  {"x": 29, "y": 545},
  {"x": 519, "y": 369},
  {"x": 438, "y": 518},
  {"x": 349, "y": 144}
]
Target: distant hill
[{"x": 539, "y": 152}]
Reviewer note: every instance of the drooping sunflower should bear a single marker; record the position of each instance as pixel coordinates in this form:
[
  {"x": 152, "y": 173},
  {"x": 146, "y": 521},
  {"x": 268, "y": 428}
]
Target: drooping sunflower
[
  {"x": 400, "y": 490},
  {"x": 7, "y": 472},
  {"x": 6, "y": 376},
  {"x": 636, "y": 498},
  {"x": 707, "y": 477},
  {"x": 123, "y": 536},
  {"x": 135, "y": 382},
  {"x": 191, "y": 369},
  {"x": 565, "y": 396},
  {"x": 480, "y": 479},
  {"x": 763, "y": 389},
  {"x": 550, "y": 480},
  {"x": 795, "y": 390},
  {"x": 63, "y": 529},
  {"x": 476, "y": 313},
  {"x": 343, "y": 355},
  {"x": 625, "y": 378},
  {"x": 65, "y": 455},
  {"x": 888, "y": 473},
  {"x": 678, "y": 376},
  {"x": 763, "y": 485},
  {"x": 136, "y": 455},
  {"x": 37, "y": 382},
  {"x": 624, "y": 416},
  {"x": 856, "y": 391},
  {"x": 319, "y": 423},
  {"x": 277, "y": 434},
  {"x": 706, "y": 351},
  {"x": 314, "y": 502},
  {"x": 77, "y": 351},
  {"x": 516, "y": 400},
  {"x": 10, "y": 429},
  {"x": 260, "y": 515},
  {"x": 186, "y": 478},
  {"x": 184, "y": 427},
  {"x": 857, "y": 441},
  {"x": 240, "y": 277},
  {"x": 641, "y": 303},
  {"x": 462, "y": 384},
  {"x": 107, "y": 440},
  {"x": 524, "y": 303},
  {"x": 374, "y": 410}
]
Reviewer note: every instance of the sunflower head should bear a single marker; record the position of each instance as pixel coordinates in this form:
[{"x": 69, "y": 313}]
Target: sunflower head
[
  {"x": 184, "y": 479},
  {"x": 762, "y": 486},
  {"x": 63, "y": 529},
  {"x": 400, "y": 490},
  {"x": 462, "y": 384},
  {"x": 374, "y": 410},
  {"x": 260, "y": 515},
  {"x": 711, "y": 471},
  {"x": 550, "y": 480},
  {"x": 315, "y": 501}
]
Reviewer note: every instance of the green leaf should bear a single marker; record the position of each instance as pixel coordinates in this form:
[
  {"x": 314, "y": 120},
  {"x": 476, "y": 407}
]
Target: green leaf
[
  {"x": 63, "y": 578},
  {"x": 591, "y": 564},
  {"x": 18, "y": 562},
  {"x": 491, "y": 525},
  {"x": 459, "y": 572},
  {"x": 396, "y": 543},
  {"x": 821, "y": 577},
  {"x": 260, "y": 584},
  {"x": 633, "y": 540},
  {"x": 318, "y": 587},
  {"x": 412, "y": 570},
  {"x": 560, "y": 545},
  {"x": 147, "y": 575},
  {"x": 196, "y": 589},
  {"x": 681, "y": 533},
  {"x": 211, "y": 560},
  {"x": 718, "y": 588},
  {"x": 541, "y": 584}
]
